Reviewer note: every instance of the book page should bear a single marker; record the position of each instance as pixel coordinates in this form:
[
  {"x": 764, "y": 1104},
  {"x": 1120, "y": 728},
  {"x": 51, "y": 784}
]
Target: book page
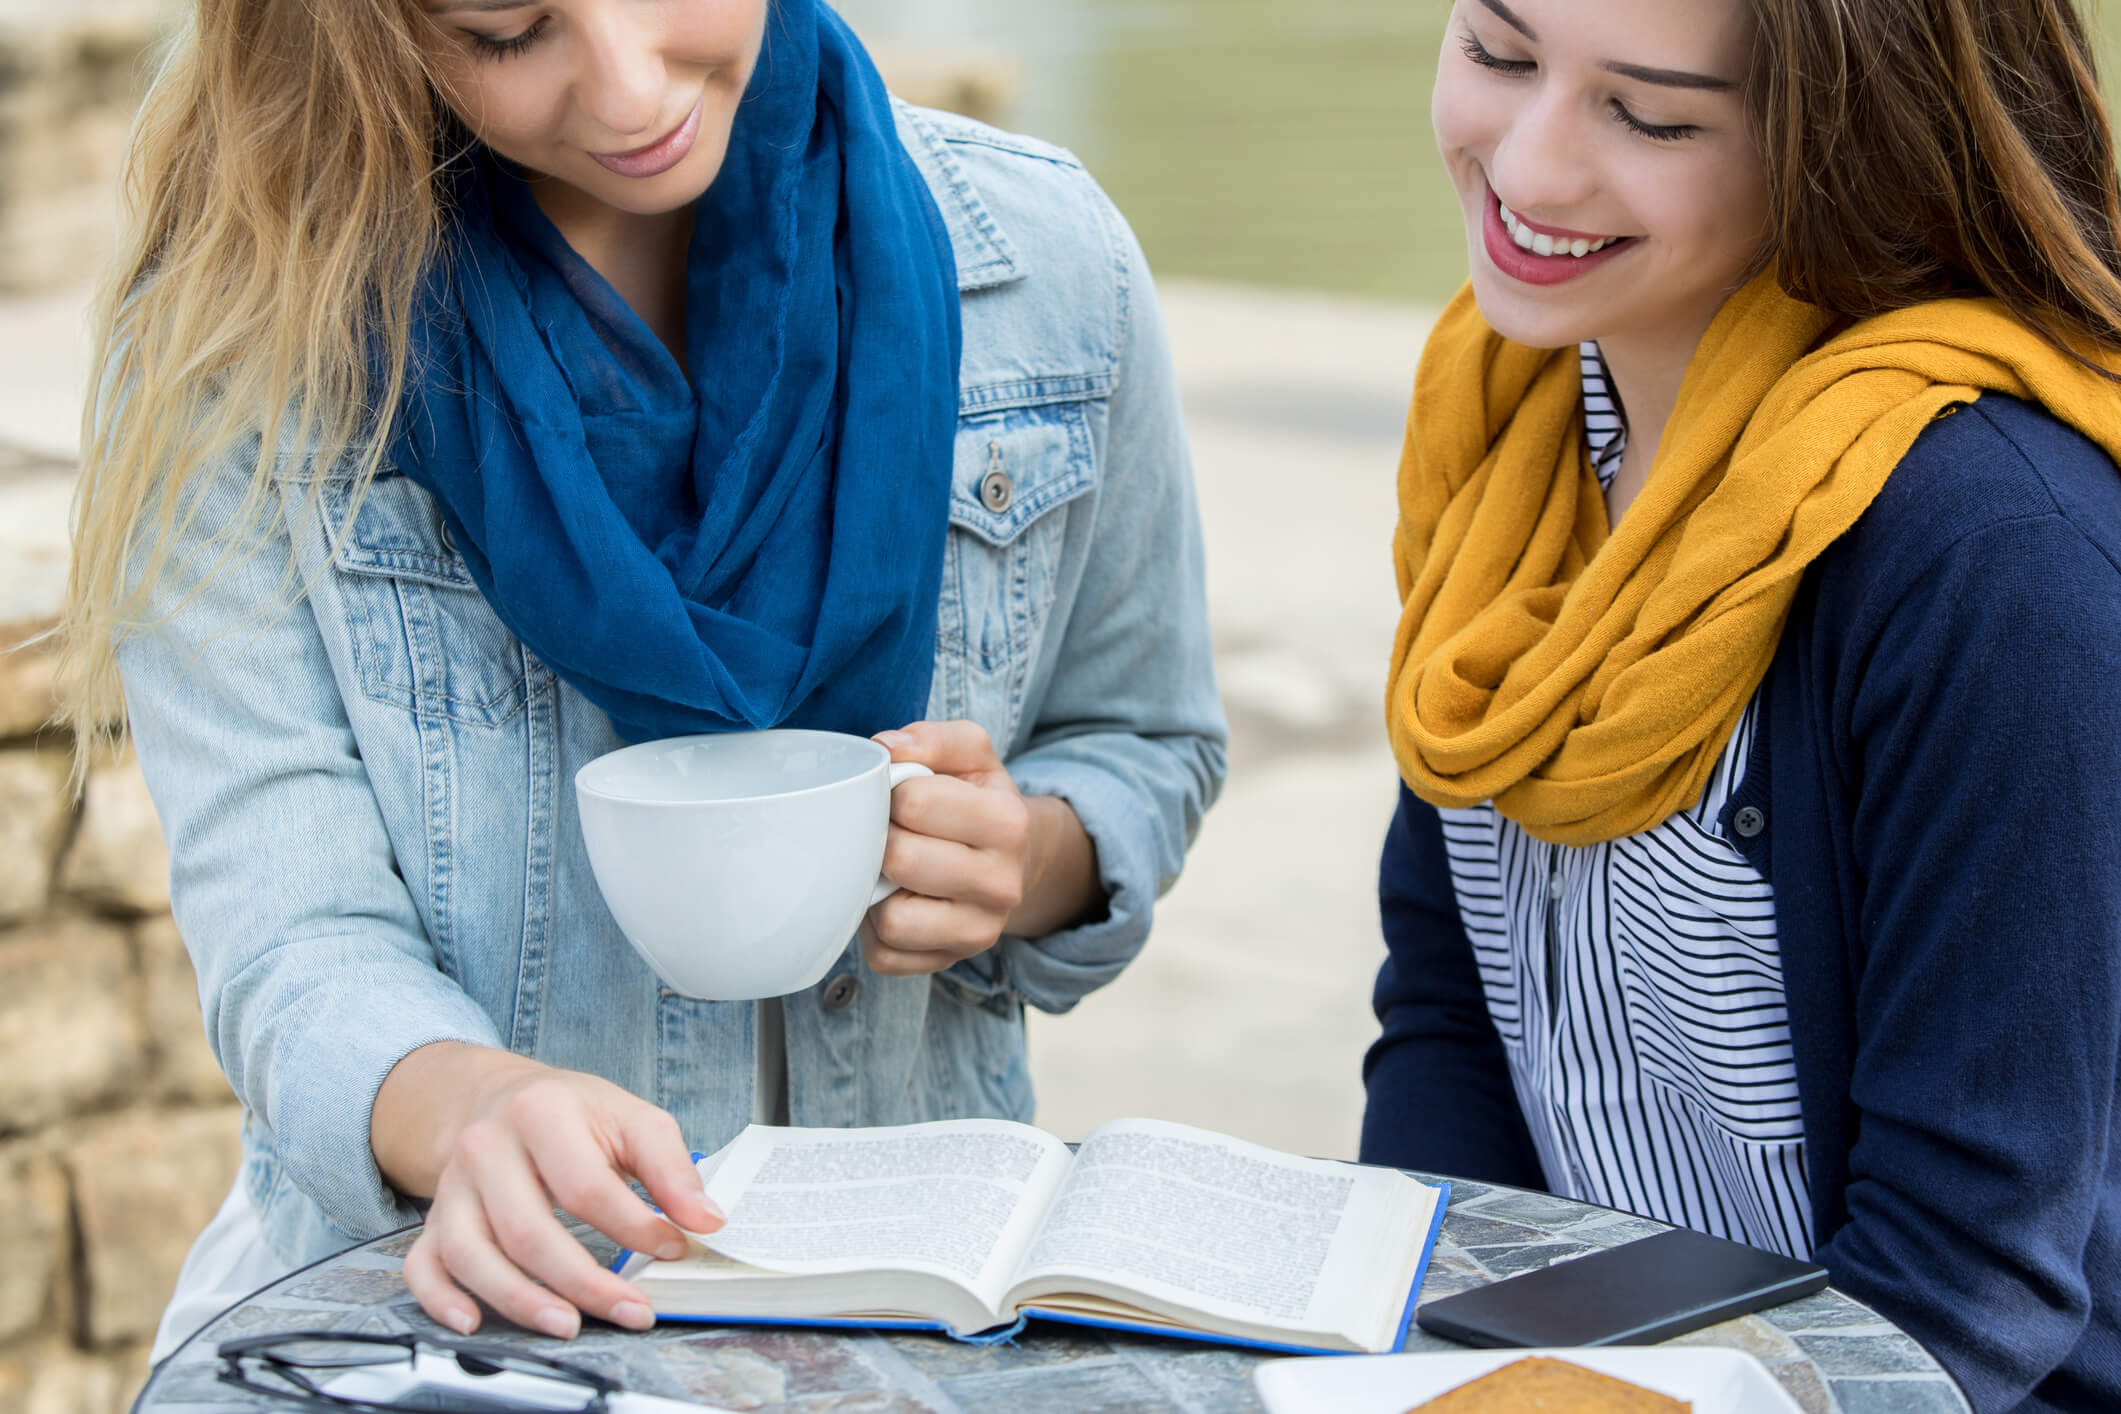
[
  {"x": 958, "y": 1199},
  {"x": 1200, "y": 1222}
]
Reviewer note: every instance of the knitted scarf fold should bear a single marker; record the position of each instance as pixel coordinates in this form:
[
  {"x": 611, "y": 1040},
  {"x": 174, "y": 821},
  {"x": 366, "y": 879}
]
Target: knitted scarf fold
[{"x": 1586, "y": 680}]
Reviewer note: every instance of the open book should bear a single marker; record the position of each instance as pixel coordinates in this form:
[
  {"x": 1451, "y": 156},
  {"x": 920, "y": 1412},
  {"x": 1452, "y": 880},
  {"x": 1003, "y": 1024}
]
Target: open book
[{"x": 969, "y": 1225}]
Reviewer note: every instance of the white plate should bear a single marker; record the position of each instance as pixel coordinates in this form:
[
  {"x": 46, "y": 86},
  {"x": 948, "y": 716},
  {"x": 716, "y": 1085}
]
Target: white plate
[{"x": 1714, "y": 1380}]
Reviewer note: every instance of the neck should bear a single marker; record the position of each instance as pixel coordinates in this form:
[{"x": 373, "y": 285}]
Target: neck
[
  {"x": 642, "y": 257},
  {"x": 1647, "y": 368}
]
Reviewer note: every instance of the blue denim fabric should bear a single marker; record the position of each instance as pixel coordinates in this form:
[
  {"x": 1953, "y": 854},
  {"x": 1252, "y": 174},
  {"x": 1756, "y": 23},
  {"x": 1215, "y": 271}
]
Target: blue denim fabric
[{"x": 369, "y": 797}]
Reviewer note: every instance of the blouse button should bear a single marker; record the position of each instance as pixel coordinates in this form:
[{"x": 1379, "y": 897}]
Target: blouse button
[
  {"x": 996, "y": 492},
  {"x": 1749, "y": 822},
  {"x": 840, "y": 992}
]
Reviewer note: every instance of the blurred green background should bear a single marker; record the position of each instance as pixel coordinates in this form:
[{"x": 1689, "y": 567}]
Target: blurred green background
[{"x": 1263, "y": 141}]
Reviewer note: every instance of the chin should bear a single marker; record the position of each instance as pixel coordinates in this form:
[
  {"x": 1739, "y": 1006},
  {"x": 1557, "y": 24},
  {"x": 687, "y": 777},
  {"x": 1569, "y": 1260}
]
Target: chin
[
  {"x": 1524, "y": 316},
  {"x": 646, "y": 199}
]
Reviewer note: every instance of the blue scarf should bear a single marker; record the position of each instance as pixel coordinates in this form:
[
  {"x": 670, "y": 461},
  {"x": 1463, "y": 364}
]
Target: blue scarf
[{"x": 760, "y": 543}]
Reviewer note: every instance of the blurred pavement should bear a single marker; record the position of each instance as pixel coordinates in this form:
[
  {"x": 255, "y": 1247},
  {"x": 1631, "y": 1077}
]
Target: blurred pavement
[{"x": 1248, "y": 1010}]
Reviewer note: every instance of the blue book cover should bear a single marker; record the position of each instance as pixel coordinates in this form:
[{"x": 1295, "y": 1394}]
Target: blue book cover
[{"x": 679, "y": 1298}]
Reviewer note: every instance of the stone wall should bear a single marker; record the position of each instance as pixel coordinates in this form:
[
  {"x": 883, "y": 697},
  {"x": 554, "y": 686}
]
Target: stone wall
[
  {"x": 117, "y": 1131},
  {"x": 70, "y": 76}
]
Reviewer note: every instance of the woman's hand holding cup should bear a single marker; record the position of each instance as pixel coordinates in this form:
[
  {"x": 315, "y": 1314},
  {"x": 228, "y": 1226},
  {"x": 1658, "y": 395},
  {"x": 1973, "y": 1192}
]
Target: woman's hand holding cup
[{"x": 973, "y": 857}]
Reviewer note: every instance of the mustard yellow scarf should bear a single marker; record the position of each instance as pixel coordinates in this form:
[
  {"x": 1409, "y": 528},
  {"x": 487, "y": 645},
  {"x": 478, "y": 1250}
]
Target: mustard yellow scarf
[{"x": 1584, "y": 680}]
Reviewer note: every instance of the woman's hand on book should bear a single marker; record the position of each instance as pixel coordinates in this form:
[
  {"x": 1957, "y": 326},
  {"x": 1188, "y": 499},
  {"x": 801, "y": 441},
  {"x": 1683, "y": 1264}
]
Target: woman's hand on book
[
  {"x": 973, "y": 857},
  {"x": 507, "y": 1140}
]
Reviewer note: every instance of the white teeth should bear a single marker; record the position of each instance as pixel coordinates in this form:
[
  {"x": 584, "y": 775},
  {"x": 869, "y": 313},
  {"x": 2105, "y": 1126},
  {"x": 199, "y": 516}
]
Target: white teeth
[{"x": 1541, "y": 244}]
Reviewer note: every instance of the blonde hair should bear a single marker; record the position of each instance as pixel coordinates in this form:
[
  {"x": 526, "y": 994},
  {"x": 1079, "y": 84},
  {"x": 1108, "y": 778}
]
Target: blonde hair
[{"x": 280, "y": 205}]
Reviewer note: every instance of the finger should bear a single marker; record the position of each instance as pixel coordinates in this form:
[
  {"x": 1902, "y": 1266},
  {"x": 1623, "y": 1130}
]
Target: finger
[
  {"x": 591, "y": 1189},
  {"x": 650, "y": 1146},
  {"x": 945, "y": 869},
  {"x": 550, "y": 1294},
  {"x": 912, "y": 923},
  {"x": 428, "y": 1281},
  {"x": 948, "y": 808},
  {"x": 466, "y": 1251},
  {"x": 897, "y": 962},
  {"x": 955, "y": 748},
  {"x": 516, "y": 1204}
]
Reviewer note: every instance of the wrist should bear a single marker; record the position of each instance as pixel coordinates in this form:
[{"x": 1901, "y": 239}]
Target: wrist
[
  {"x": 425, "y": 1102},
  {"x": 1061, "y": 883}
]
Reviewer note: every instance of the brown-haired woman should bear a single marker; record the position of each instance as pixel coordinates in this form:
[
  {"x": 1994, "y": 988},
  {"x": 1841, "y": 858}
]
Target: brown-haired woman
[{"x": 1758, "y": 689}]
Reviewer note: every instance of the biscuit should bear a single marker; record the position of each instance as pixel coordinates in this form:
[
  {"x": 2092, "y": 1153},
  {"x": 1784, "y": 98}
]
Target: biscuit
[{"x": 1538, "y": 1384}]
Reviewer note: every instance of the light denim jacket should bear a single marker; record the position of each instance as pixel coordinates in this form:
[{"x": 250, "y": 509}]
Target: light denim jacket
[{"x": 369, "y": 797}]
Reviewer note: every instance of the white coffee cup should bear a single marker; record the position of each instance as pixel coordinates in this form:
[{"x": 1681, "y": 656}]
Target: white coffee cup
[{"x": 740, "y": 865}]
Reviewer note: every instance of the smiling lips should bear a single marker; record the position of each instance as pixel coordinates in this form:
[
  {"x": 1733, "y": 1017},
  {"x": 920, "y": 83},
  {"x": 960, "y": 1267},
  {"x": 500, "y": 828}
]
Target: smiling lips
[
  {"x": 1542, "y": 255},
  {"x": 1539, "y": 242},
  {"x": 658, "y": 156}
]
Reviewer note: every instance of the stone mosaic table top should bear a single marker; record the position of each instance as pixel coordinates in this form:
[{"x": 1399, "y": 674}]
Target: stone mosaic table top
[{"x": 1831, "y": 1353}]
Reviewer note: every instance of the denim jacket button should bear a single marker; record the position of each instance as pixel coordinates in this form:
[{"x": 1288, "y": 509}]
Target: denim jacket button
[
  {"x": 840, "y": 992},
  {"x": 449, "y": 541},
  {"x": 1749, "y": 822},
  {"x": 997, "y": 492}
]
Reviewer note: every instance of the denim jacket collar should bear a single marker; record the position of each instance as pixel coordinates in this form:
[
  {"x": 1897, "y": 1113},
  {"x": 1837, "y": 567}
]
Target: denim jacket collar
[{"x": 985, "y": 255}]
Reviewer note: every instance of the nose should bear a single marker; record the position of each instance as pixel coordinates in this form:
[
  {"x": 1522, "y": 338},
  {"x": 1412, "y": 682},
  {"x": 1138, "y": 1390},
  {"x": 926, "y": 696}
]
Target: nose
[
  {"x": 1542, "y": 163},
  {"x": 620, "y": 80}
]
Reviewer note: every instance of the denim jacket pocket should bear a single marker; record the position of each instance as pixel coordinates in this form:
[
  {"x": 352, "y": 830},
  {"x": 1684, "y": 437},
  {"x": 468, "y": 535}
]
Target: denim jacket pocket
[
  {"x": 982, "y": 981},
  {"x": 424, "y": 638},
  {"x": 1013, "y": 472},
  {"x": 976, "y": 1045}
]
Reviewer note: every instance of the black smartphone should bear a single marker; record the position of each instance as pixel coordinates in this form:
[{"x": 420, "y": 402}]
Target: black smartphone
[{"x": 1638, "y": 1293}]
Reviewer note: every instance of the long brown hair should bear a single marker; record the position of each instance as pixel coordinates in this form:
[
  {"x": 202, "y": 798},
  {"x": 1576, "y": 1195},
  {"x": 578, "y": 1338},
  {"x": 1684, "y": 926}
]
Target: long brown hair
[
  {"x": 281, "y": 206},
  {"x": 1919, "y": 149}
]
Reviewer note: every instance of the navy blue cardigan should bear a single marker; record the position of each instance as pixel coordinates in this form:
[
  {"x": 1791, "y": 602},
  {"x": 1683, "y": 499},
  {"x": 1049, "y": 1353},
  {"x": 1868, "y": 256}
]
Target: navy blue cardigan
[{"x": 1941, "y": 774}]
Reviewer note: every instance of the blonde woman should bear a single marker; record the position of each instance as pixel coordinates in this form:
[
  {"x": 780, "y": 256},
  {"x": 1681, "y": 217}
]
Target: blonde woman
[{"x": 488, "y": 384}]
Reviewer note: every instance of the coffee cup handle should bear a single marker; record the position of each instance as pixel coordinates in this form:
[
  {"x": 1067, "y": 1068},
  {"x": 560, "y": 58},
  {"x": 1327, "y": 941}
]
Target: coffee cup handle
[{"x": 901, "y": 772}]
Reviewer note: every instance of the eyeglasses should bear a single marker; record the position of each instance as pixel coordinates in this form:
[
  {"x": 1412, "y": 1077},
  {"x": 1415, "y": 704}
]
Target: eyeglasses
[{"x": 408, "y": 1374}]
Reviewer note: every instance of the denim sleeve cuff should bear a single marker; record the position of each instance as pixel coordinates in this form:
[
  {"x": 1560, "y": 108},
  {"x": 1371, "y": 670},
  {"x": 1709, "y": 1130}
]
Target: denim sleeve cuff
[
  {"x": 335, "y": 1045},
  {"x": 1055, "y": 972}
]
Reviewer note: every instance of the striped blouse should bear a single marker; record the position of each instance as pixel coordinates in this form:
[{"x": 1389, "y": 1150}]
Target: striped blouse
[{"x": 1637, "y": 988}]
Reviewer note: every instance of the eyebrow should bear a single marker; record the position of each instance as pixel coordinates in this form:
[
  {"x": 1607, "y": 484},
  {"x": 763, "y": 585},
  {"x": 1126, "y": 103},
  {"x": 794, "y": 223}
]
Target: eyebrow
[
  {"x": 1641, "y": 73},
  {"x": 1669, "y": 78},
  {"x": 1509, "y": 17},
  {"x": 456, "y": 5}
]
